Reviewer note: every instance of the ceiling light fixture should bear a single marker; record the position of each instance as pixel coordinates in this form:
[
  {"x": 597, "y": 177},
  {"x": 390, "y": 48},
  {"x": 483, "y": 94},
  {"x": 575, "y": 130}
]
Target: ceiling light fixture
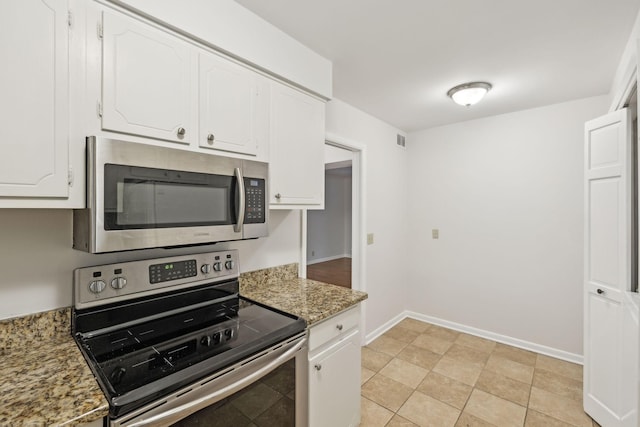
[{"x": 469, "y": 93}]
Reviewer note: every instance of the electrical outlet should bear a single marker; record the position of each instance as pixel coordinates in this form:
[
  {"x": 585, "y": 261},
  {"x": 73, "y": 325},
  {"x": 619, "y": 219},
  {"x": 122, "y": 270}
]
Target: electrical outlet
[
  {"x": 435, "y": 233},
  {"x": 370, "y": 239}
]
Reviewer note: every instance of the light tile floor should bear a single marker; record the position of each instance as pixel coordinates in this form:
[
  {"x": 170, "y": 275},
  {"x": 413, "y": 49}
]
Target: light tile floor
[{"x": 419, "y": 374}]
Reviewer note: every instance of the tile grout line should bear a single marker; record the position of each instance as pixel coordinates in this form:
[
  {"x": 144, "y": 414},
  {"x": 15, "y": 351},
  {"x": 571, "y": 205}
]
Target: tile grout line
[
  {"x": 526, "y": 414},
  {"x": 405, "y": 344}
]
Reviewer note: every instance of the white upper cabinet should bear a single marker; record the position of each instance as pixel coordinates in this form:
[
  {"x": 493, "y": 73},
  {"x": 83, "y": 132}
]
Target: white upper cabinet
[
  {"x": 146, "y": 81},
  {"x": 296, "y": 149},
  {"x": 232, "y": 105},
  {"x": 34, "y": 105}
]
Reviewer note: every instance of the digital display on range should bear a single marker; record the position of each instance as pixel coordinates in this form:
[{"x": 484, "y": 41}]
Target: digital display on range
[{"x": 172, "y": 271}]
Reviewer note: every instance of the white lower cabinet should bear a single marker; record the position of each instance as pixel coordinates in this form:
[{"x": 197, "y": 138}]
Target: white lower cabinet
[{"x": 334, "y": 371}]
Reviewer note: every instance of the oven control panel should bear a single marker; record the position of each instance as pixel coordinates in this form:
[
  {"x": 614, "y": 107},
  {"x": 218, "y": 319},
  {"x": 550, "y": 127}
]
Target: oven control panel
[
  {"x": 105, "y": 284},
  {"x": 172, "y": 270}
]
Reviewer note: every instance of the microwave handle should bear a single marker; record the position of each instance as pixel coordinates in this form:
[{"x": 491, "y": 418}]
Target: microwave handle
[{"x": 238, "y": 174}]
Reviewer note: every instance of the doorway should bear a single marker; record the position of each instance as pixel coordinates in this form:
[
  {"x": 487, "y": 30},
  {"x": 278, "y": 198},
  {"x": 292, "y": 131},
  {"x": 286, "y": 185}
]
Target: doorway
[
  {"x": 357, "y": 161},
  {"x": 329, "y": 234}
]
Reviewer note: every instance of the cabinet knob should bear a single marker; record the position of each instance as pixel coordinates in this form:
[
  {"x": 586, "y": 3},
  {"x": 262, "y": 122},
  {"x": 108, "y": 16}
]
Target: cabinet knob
[
  {"x": 278, "y": 196},
  {"x": 181, "y": 132},
  {"x": 339, "y": 327},
  {"x": 317, "y": 366},
  {"x": 600, "y": 291},
  {"x": 210, "y": 138}
]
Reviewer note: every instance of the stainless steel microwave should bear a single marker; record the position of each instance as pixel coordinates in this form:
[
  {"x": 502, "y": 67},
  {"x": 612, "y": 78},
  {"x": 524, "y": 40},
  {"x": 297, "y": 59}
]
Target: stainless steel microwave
[{"x": 143, "y": 196}]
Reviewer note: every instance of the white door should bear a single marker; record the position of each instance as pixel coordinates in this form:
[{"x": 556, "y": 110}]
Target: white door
[
  {"x": 228, "y": 106},
  {"x": 608, "y": 389},
  {"x": 34, "y": 102},
  {"x": 146, "y": 87}
]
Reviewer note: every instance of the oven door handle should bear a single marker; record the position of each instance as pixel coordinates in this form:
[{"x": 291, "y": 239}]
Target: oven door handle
[
  {"x": 238, "y": 174},
  {"x": 176, "y": 414}
]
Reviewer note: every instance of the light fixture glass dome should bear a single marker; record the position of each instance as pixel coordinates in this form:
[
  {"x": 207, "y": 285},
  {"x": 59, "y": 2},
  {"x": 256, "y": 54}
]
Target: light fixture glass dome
[{"x": 469, "y": 93}]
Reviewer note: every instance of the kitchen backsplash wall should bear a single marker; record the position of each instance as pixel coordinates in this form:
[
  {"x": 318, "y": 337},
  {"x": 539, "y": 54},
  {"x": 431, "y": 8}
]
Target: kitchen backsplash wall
[{"x": 37, "y": 260}]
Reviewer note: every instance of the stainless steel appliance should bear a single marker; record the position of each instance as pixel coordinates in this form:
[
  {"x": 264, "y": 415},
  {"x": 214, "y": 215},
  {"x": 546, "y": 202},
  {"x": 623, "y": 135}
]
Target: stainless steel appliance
[
  {"x": 143, "y": 196},
  {"x": 170, "y": 339}
]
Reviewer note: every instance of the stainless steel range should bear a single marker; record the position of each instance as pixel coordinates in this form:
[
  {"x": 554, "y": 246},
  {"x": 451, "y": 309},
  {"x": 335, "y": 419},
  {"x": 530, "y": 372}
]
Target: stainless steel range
[{"x": 168, "y": 337}]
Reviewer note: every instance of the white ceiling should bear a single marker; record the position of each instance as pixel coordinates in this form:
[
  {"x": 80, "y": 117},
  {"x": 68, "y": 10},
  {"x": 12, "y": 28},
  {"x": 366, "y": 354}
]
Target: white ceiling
[{"x": 397, "y": 59}]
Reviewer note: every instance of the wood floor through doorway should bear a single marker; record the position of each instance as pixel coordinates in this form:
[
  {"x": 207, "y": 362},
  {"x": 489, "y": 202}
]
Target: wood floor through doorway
[{"x": 337, "y": 272}]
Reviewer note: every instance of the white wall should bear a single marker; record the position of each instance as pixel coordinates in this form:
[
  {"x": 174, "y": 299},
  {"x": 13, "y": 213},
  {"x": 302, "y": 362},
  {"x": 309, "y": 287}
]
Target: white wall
[
  {"x": 37, "y": 261},
  {"x": 232, "y": 28},
  {"x": 506, "y": 193},
  {"x": 386, "y": 198},
  {"x": 627, "y": 69},
  {"x": 329, "y": 230}
]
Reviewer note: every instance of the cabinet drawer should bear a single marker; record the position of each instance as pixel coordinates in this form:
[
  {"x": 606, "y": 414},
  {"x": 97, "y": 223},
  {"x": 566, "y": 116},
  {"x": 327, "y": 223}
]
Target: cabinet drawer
[{"x": 335, "y": 327}]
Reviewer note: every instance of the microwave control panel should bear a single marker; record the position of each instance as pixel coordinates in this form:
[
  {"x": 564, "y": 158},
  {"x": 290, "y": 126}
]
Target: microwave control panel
[{"x": 255, "y": 196}]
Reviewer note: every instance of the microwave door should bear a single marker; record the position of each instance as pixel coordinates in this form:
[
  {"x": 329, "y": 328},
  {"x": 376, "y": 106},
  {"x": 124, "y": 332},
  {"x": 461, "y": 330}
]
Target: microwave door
[{"x": 150, "y": 207}]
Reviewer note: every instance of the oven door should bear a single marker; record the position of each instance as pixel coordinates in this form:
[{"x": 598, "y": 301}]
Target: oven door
[{"x": 219, "y": 395}]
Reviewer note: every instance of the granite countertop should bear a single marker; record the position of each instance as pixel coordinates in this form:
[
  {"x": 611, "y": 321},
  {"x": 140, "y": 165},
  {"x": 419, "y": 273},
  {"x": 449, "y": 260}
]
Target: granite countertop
[
  {"x": 45, "y": 379},
  {"x": 281, "y": 288}
]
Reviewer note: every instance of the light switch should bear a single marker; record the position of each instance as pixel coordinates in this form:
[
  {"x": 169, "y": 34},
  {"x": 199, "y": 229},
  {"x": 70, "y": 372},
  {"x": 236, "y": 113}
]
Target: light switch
[
  {"x": 370, "y": 239},
  {"x": 435, "y": 233}
]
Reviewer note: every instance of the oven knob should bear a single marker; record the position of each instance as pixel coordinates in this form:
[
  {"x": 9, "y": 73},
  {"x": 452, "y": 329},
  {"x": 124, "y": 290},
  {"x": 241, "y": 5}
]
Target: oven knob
[
  {"x": 217, "y": 266},
  {"x": 229, "y": 265},
  {"x": 206, "y": 268},
  {"x": 118, "y": 283},
  {"x": 97, "y": 286},
  {"x": 228, "y": 334},
  {"x": 206, "y": 341},
  {"x": 216, "y": 338}
]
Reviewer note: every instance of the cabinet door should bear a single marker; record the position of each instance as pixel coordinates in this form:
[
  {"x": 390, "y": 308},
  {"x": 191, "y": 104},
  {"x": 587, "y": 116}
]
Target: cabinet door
[
  {"x": 146, "y": 87},
  {"x": 610, "y": 393},
  {"x": 296, "y": 149},
  {"x": 34, "y": 104},
  {"x": 231, "y": 110},
  {"x": 334, "y": 385}
]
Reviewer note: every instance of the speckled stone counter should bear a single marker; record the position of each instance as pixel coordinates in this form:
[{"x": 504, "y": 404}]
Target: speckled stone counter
[
  {"x": 280, "y": 288},
  {"x": 44, "y": 379}
]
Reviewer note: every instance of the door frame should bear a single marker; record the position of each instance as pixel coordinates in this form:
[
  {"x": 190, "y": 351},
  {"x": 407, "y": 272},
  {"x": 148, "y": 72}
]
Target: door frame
[{"x": 358, "y": 219}]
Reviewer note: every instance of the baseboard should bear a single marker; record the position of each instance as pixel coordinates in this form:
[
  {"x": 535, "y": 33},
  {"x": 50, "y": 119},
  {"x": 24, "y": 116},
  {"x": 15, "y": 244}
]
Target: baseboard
[
  {"x": 329, "y": 258},
  {"x": 515, "y": 342},
  {"x": 384, "y": 328}
]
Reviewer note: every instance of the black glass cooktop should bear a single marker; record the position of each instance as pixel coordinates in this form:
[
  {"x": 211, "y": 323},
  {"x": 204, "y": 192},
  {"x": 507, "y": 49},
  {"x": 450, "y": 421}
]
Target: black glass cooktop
[{"x": 137, "y": 363}]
